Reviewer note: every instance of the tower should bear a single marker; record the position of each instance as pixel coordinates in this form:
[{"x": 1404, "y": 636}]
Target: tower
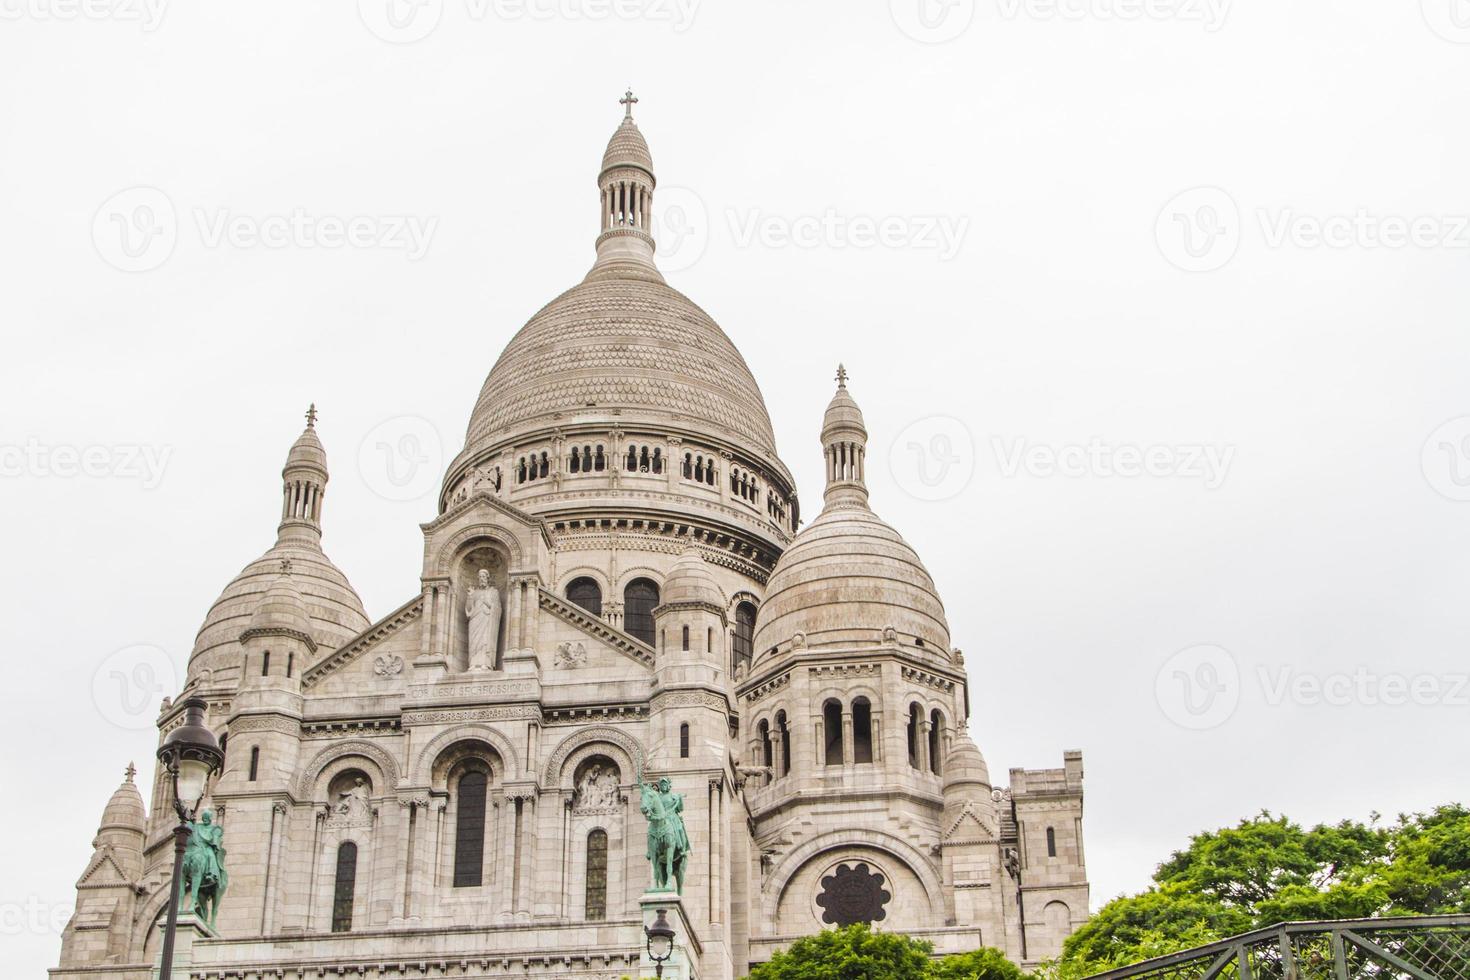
[{"x": 108, "y": 890}]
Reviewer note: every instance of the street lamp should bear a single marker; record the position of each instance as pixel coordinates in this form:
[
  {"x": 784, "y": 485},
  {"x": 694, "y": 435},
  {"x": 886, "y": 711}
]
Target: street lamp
[
  {"x": 660, "y": 942},
  {"x": 190, "y": 755}
]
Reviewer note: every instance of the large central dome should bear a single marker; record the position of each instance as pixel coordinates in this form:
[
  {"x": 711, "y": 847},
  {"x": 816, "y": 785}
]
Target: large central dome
[{"x": 633, "y": 347}]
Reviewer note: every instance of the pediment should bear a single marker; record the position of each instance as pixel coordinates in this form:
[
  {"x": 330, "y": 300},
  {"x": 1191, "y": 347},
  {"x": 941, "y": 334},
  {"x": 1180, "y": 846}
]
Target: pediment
[
  {"x": 376, "y": 637},
  {"x": 585, "y": 624},
  {"x": 103, "y": 870}
]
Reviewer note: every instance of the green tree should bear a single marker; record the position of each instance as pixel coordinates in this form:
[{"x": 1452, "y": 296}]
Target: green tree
[
  {"x": 852, "y": 953},
  {"x": 982, "y": 964}
]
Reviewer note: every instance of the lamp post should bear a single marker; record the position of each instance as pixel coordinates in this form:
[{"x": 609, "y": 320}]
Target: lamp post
[
  {"x": 660, "y": 942},
  {"x": 190, "y": 755}
]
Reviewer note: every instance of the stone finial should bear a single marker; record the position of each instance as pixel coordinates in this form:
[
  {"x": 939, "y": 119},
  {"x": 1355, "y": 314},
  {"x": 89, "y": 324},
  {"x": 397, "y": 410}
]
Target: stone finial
[
  {"x": 628, "y": 101},
  {"x": 285, "y": 566},
  {"x": 130, "y": 772},
  {"x": 841, "y": 376},
  {"x": 311, "y": 415}
]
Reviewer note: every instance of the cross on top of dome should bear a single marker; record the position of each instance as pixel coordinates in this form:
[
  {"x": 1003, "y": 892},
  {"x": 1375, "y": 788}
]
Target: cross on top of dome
[
  {"x": 311, "y": 416},
  {"x": 628, "y": 101},
  {"x": 841, "y": 376}
]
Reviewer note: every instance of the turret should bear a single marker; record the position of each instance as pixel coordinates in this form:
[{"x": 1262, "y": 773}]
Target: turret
[
  {"x": 625, "y": 245},
  {"x": 690, "y": 626},
  {"x": 304, "y": 480},
  {"x": 101, "y": 926}
]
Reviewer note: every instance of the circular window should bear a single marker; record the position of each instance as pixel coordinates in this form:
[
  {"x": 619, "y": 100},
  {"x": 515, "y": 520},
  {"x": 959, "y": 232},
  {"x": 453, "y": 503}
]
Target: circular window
[{"x": 853, "y": 893}]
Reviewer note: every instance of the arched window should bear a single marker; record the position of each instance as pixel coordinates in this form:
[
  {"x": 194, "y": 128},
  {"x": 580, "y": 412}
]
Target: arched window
[
  {"x": 599, "y": 461},
  {"x": 688, "y": 470},
  {"x": 686, "y": 639},
  {"x": 639, "y": 600},
  {"x": 290, "y": 662},
  {"x": 1051, "y": 842},
  {"x": 862, "y": 730},
  {"x": 265, "y": 664},
  {"x": 936, "y": 726},
  {"x": 597, "y": 875},
  {"x": 632, "y": 464},
  {"x": 346, "y": 885},
  {"x": 469, "y": 830},
  {"x": 832, "y": 732},
  {"x": 783, "y": 742},
  {"x": 744, "y": 642},
  {"x": 913, "y": 732},
  {"x": 684, "y": 741},
  {"x": 585, "y": 592},
  {"x": 254, "y": 762},
  {"x": 576, "y": 466},
  {"x": 763, "y": 730},
  {"x": 658, "y": 460}
]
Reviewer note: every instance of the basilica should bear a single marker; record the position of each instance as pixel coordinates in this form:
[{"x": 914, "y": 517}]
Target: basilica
[{"x": 618, "y": 588}]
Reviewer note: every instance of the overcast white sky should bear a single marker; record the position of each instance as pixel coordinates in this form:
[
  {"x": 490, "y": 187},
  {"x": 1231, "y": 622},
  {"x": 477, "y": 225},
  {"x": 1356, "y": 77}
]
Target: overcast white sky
[{"x": 1224, "y": 240}]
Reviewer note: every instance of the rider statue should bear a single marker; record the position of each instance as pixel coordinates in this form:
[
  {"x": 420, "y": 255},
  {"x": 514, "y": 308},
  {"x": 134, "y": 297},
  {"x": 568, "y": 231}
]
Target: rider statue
[
  {"x": 204, "y": 870},
  {"x": 668, "y": 842}
]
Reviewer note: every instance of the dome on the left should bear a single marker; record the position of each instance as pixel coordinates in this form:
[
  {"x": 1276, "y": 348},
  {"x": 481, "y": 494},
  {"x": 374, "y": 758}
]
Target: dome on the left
[{"x": 334, "y": 611}]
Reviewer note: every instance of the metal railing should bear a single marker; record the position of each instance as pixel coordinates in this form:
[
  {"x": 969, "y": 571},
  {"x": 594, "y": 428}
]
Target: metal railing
[{"x": 1432, "y": 947}]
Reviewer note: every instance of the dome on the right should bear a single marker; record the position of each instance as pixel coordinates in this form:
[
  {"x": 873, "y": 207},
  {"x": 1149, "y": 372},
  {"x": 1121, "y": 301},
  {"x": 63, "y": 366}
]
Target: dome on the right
[{"x": 849, "y": 578}]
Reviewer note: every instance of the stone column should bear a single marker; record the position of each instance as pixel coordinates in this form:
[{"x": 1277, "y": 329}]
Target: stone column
[{"x": 849, "y": 756}]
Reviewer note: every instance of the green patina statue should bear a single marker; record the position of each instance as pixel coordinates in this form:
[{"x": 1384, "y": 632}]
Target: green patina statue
[
  {"x": 668, "y": 842},
  {"x": 204, "y": 870}
]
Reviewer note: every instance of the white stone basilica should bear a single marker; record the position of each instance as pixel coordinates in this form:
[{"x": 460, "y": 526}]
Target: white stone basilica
[{"x": 617, "y": 578}]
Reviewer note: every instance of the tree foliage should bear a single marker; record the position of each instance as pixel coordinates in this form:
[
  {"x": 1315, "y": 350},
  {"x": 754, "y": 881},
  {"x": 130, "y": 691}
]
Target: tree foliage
[{"x": 858, "y": 953}]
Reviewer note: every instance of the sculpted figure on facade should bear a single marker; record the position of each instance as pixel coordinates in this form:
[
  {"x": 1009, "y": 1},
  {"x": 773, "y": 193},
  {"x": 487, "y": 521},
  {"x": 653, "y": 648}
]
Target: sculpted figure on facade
[
  {"x": 482, "y": 609},
  {"x": 598, "y": 789}
]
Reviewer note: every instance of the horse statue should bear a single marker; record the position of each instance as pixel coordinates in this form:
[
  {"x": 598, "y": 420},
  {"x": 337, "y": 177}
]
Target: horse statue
[
  {"x": 204, "y": 877},
  {"x": 668, "y": 842}
]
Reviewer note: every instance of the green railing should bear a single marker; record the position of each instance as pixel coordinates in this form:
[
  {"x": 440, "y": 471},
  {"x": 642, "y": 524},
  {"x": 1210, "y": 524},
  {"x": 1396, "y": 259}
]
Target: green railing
[{"x": 1421, "y": 948}]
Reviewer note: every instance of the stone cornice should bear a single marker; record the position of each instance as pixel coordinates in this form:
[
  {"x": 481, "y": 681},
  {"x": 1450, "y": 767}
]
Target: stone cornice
[
  {"x": 575, "y": 615},
  {"x": 390, "y": 624},
  {"x": 496, "y": 503}
]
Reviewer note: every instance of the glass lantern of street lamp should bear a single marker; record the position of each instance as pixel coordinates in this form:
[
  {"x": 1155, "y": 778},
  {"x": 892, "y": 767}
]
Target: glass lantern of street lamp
[
  {"x": 190, "y": 755},
  {"x": 660, "y": 941}
]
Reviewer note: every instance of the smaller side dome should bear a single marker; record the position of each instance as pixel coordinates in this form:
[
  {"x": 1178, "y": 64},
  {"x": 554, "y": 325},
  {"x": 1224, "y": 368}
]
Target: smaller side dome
[
  {"x": 690, "y": 581},
  {"x": 125, "y": 810},
  {"x": 281, "y": 609},
  {"x": 307, "y": 451},
  {"x": 965, "y": 767}
]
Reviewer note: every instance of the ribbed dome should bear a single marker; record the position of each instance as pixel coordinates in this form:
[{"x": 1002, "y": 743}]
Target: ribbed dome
[
  {"x": 633, "y": 348},
  {"x": 845, "y": 578},
  {"x": 842, "y": 414},
  {"x": 690, "y": 581},
  {"x": 307, "y": 451},
  {"x": 333, "y": 607},
  {"x": 965, "y": 766},
  {"x": 281, "y": 608},
  {"x": 627, "y": 148},
  {"x": 125, "y": 810}
]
